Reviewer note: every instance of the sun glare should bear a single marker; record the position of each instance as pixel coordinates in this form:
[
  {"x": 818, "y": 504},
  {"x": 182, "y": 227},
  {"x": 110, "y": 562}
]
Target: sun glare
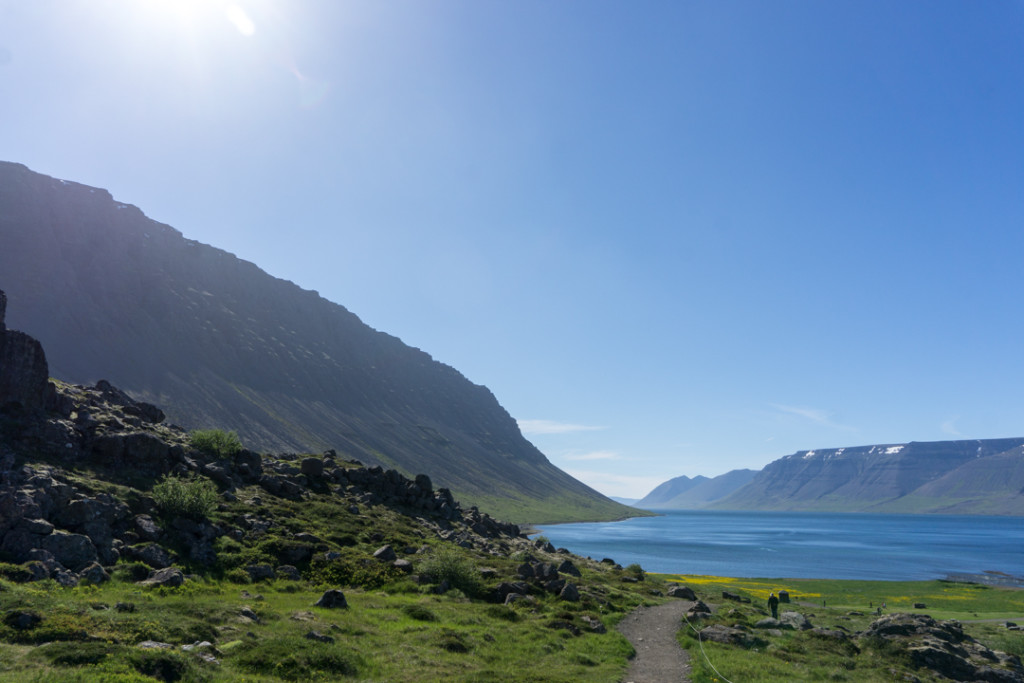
[
  {"x": 195, "y": 13},
  {"x": 237, "y": 16}
]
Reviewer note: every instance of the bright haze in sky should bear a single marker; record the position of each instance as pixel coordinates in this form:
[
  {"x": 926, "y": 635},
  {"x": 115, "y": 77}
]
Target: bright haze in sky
[{"x": 671, "y": 237}]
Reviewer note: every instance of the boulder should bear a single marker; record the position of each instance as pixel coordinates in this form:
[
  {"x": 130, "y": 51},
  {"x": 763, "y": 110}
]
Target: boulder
[
  {"x": 152, "y": 554},
  {"x": 386, "y": 554},
  {"x": 594, "y": 624},
  {"x": 74, "y": 551},
  {"x": 260, "y": 572},
  {"x": 567, "y": 567},
  {"x": 147, "y": 529},
  {"x": 312, "y": 467},
  {"x": 795, "y": 620},
  {"x": 332, "y": 599},
  {"x": 170, "y": 577},
  {"x": 719, "y": 633},
  {"x": 94, "y": 573},
  {"x": 288, "y": 572},
  {"x": 680, "y": 591},
  {"x": 569, "y": 593}
]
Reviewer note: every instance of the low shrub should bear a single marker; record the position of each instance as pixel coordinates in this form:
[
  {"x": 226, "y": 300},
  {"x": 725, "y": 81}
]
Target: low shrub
[
  {"x": 296, "y": 659},
  {"x": 636, "y": 570},
  {"x": 164, "y": 665},
  {"x": 185, "y": 497},
  {"x": 216, "y": 443},
  {"x": 237, "y": 575},
  {"x": 419, "y": 613},
  {"x": 17, "y": 573},
  {"x": 130, "y": 572},
  {"x": 448, "y": 564},
  {"x": 501, "y": 612},
  {"x": 354, "y": 573},
  {"x": 75, "y": 654}
]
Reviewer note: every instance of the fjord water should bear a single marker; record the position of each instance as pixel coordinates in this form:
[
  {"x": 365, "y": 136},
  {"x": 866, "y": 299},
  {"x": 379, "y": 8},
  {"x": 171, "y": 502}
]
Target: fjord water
[{"x": 803, "y": 544}]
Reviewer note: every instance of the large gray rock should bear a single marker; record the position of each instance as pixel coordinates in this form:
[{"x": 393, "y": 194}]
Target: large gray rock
[
  {"x": 386, "y": 554},
  {"x": 684, "y": 592},
  {"x": 332, "y": 599},
  {"x": 795, "y": 620},
  {"x": 74, "y": 551},
  {"x": 312, "y": 467},
  {"x": 170, "y": 577}
]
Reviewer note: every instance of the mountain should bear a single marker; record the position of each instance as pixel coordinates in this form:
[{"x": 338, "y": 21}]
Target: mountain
[
  {"x": 624, "y": 501},
  {"x": 217, "y": 342},
  {"x": 668, "y": 490},
  {"x": 683, "y": 493},
  {"x": 955, "y": 477}
]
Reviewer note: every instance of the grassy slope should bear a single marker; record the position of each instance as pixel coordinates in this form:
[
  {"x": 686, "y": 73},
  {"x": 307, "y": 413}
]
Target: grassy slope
[{"x": 394, "y": 629}]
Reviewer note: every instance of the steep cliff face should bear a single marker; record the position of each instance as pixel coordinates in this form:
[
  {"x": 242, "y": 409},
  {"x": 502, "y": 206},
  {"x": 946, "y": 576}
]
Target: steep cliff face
[
  {"x": 219, "y": 343},
  {"x": 979, "y": 476},
  {"x": 24, "y": 375}
]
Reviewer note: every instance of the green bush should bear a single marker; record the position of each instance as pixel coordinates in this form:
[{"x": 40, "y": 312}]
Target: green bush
[
  {"x": 636, "y": 570},
  {"x": 130, "y": 572},
  {"x": 502, "y": 612},
  {"x": 17, "y": 573},
  {"x": 296, "y": 659},
  {"x": 353, "y": 573},
  {"x": 448, "y": 564},
  {"x": 419, "y": 613},
  {"x": 216, "y": 443},
  {"x": 237, "y": 575},
  {"x": 164, "y": 665},
  {"x": 185, "y": 497},
  {"x": 75, "y": 654}
]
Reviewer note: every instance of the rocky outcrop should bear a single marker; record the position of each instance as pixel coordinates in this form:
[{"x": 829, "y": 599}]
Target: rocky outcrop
[
  {"x": 24, "y": 374},
  {"x": 943, "y": 647}
]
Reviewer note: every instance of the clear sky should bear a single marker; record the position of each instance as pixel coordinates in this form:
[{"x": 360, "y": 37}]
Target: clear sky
[{"x": 672, "y": 237}]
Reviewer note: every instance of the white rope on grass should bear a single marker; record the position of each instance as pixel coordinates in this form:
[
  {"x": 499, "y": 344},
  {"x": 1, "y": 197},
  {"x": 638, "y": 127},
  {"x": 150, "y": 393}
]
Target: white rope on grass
[{"x": 700, "y": 641}]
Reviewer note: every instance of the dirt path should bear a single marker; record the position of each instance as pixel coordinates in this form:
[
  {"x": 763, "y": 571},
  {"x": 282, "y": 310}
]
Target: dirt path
[{"x": 652, "y": 631}]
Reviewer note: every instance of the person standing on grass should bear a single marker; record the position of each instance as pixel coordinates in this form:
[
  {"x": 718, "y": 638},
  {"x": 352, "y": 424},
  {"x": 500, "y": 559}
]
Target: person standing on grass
[{"x": 773, "y": 605}]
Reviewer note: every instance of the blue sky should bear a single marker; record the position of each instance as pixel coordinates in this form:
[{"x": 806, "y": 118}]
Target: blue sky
[{"x": 672, "y": 237}]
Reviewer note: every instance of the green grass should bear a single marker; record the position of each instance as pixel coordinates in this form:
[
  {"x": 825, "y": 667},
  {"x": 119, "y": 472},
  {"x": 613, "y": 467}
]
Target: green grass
[
  {"x": 383, "y": 635},
  {"x": 839, "y": 605}
]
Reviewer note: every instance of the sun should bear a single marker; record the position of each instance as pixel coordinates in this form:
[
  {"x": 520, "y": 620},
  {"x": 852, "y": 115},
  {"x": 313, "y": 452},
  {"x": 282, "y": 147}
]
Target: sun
[{"x": 198, "y": 13}]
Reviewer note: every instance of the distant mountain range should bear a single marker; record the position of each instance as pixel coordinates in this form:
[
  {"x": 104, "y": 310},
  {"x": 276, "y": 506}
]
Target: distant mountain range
[
  {"x": 684, "y": 493},
  {"x": 952, "y": 477},
  {"x": 217, "y": 342}
]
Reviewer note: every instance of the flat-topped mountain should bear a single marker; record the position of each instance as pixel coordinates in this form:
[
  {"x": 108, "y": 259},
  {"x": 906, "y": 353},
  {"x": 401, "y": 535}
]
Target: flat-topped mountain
[
  {"x": 217, "y": 342},
  {"x": 983, "y": 476}
]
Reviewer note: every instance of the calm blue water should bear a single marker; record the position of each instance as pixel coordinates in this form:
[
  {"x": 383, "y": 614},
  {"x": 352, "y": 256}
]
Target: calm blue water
[{"x": 803, "y": 545}]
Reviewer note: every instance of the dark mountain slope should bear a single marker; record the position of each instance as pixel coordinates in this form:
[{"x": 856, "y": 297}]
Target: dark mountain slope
[
  {"x": 945, "y": 476},
  {"x": 219, "y": 343}
]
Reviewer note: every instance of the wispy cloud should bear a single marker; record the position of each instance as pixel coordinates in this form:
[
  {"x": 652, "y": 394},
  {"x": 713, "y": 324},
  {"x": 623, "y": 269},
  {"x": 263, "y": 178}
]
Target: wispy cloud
[
  {"x": 552, "y": 427},
  {"x": 949, "y": 427},
  {"x": 821, "y": 417},
  {"x": 625, "y": 485},
  {"x": 594, "y": 455}
]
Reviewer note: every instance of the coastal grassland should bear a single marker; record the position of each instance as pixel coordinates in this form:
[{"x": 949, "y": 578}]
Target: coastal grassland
[
  {"x": 261, "y": 633},
  {"x": 847, "y": 607}
]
